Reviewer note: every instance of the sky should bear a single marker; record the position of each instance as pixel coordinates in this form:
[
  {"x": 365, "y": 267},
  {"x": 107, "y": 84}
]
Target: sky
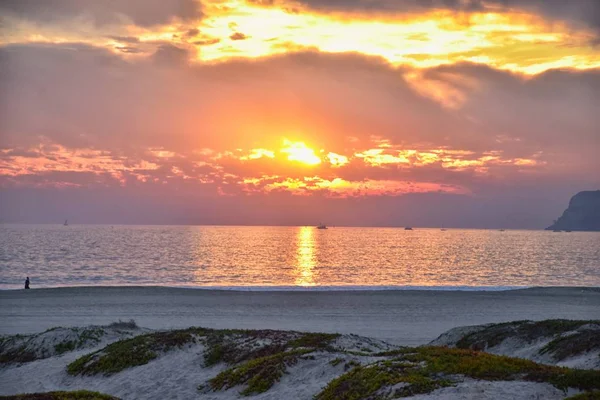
[{"x": 454, "y": 113}]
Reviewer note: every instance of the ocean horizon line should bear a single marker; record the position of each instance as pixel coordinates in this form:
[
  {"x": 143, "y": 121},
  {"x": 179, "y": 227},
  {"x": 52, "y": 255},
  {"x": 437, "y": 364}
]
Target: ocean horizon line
[{"x": 8, "y": 223}]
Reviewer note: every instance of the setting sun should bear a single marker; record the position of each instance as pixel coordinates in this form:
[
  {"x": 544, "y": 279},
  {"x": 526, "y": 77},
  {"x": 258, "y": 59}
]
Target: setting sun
[{"x": 298, "y": 151}]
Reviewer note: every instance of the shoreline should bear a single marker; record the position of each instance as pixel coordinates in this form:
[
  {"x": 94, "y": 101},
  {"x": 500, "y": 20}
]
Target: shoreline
[
  {"x": 408, "y": 317},
  {"x": 342, "y": 288}
]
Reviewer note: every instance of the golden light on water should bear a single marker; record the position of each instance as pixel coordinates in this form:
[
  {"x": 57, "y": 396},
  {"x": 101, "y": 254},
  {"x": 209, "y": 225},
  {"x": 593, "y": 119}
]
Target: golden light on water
[{"x": 305, "y": 256}]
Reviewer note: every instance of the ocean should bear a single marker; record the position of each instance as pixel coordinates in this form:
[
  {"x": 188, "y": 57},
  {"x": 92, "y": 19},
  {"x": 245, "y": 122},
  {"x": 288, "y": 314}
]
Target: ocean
[{"x": 295, "y": 258}]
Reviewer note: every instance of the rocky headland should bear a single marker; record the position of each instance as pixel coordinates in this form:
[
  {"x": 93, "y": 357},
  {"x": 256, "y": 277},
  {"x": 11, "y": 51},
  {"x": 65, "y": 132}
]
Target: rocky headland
[{"x": 583, "y": 213}]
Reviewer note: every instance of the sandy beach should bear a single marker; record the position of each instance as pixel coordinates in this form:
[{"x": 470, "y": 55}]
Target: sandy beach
[{"x": 399, "y": 316}]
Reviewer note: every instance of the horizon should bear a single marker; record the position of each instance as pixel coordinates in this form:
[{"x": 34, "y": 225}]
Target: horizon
[{"x": 468, "y": 114}]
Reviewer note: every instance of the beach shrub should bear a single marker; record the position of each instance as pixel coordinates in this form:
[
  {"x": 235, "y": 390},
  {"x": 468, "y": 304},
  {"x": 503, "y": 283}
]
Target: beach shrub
[
  {"x": 130, "y": 352},
  {"x": 572, "y": 345},
  {"x": 528, "y": 331},
  {"x": 259, "y": 374},
  {"x": 74, "y": 395},
  {"x": 320, "y": 341},
  {"x": 131, "y": 325},
  {"x": 64, "y": 347},
  {"x": 595, "y": 395},
  {"x": 235, "y": 346},
  {"x": 232, "y": 347},
  {"x": 20, "y": 354},
  {"x": 351, "y": 364},
  {"x": 424, "y": 369},
  {"x": 336, "y": 361},
  {"x": 27, "y": 348},
  {"x": 381, "y": 380}
]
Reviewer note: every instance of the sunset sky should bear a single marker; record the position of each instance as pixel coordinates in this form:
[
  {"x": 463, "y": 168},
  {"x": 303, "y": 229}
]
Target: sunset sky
[{"x": 457, "y": 113}]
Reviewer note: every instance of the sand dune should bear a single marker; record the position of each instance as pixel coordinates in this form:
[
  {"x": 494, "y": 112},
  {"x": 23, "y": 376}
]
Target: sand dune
[{"x": 266, "y": 364}]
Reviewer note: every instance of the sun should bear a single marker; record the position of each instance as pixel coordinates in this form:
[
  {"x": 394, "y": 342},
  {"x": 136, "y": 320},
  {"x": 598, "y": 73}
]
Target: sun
[{"x": 298, "y": 151}]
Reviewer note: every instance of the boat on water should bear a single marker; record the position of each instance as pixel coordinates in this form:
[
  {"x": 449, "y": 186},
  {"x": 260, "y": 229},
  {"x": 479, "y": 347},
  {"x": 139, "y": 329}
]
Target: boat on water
[
  {"x": 66, "y": 222},
  {"x": 408, "y": 228},
  {"x": 321, "y": 226}
]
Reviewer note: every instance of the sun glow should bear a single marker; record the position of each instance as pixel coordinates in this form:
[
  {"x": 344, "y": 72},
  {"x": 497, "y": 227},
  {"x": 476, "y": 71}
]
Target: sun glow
[{"x": 298, "y": 151}]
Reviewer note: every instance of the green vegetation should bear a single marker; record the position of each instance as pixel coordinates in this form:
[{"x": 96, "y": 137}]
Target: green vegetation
[
  {"x": 86, "y": 337},
  {"x": 376, "y": 381},
  {"x": 64, "y": 347},
  {"x": 130, "y": 352},
  {"x": 351, "y": 364},
  {"x": 571, "y": 345},
  {"x": 16, "y": 355},
  {"x": 314, "y": 340},
  {"x": 491, "y": 367},
  {"x": 131, "y": 325},
  {"x": 428, "y": 368},
  {"x": 595, "y": 395},
  {"x": 27, "y": 348},
  {"x": 259, "y": 374},
  {"x": 229, "y": 346},
  {"x": 263, "y": 365},
  {"x": 336, "y": 361},
  {"x": 528, "y": 331},
  {"x": 76, "y": 395},
  {"x": 222, "y": 345}
]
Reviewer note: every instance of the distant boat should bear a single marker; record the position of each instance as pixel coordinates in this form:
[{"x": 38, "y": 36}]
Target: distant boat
[
  {"x": 408, "y": 228},
  {"x": 443, "y": 229},
  {"x": 321, "y": 226},
  {"x": 500, "y": 230},
  {"x": 66, "y": 222}
]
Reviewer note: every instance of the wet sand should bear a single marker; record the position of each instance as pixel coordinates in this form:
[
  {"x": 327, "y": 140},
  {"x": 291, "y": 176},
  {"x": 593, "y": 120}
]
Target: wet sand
[{"x": 408, "y": 317}]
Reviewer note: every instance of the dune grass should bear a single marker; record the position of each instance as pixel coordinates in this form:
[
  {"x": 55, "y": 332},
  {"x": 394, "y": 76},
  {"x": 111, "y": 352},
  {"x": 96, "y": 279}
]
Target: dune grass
[
  {"x": 262, "y": 367},
  {"x": 259, "y": 374},
  {"x": 222, "y": 345},
  {"x": 422, "y": 370},
  {"x": 595, "y": 395},
  {"x": 229, "y": 346},
  {"x": 17, "y": 349},
  {"x": 129, "y": 325},
  {"x": 74, "y": 395},
  {"x": 572, "y": 345},
  {"x": 528, "y": 331},
  {"x": 132, "y": 352}
]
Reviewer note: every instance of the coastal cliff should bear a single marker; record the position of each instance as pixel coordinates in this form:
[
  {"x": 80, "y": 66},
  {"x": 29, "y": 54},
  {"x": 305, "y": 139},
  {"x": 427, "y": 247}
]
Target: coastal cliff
[{"x": 583, "y": 213}]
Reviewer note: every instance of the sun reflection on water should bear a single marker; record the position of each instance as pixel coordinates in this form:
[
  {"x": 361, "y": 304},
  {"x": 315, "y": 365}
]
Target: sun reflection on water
[{"x": 305, "y": 256}]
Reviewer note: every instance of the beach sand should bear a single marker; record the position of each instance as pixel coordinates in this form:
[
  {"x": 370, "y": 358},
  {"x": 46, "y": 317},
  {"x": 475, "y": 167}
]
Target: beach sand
[{"x": 406, "y": 317}]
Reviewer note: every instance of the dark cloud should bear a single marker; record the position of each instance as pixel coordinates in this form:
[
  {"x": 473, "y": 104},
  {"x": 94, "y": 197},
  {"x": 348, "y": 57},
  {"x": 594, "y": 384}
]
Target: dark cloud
[
  {"x": 207, "y": 42},
  {"x": 125, "y": 39},
  {"x": 141, "y": 12},
  {"x": 192, "y": 32},
  {"x": 168, "y": 54},
  {"x": 238, "y": 36}
]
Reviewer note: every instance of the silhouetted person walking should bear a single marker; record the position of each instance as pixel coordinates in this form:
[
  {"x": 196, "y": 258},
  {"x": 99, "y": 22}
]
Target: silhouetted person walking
[{"x": 27, "y": 283}]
